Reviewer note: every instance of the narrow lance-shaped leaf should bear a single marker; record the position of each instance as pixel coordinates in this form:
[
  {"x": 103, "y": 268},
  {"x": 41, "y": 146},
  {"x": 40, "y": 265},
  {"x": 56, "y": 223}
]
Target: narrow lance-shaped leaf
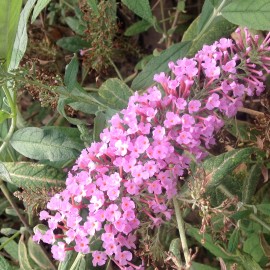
[
  {"x": 32, "y": 175},
  {"x": 9, "y": 17},
  {"x": 41, "y": 4},
  {"x": 72, "y": 68},
  {"x": 23, "y": 256},
  {"x": 21, "y": 38}
]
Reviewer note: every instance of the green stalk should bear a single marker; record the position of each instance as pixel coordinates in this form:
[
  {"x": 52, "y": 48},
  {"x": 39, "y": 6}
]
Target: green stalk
[
  {"x": 253, "y": 217},
  {"x": 10, "y": 239},
  {"x": 181, "y": 229}
]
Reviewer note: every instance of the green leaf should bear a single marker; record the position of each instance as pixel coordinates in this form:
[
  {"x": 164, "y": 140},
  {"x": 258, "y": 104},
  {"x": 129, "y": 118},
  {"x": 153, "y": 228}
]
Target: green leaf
[
  {"x": 73, "y": 44},
  {"x": 75, "y": 25},
  {"x": 265, "y": 246},
  {"x": 137, "y": 28},
  {"x": 192, "y": 31},
  {"x": 216, "y": 168},
  {"x": 241, "y": 214},
  {"x": 21, "y": 38},
  {"x": 23, "y": 256},
  {"x": 69, "y": 259},
  {"x": 115, "y": 93},
  {"x": 94, "y": 6},
  {"x": 159, "y": 64},
  {"x": 199, "y": 266},
  {"x": 79, "y": 263},
  {"x": 264, "y": 208},
  {"x": 250, "y": 13},
  {"x": 3, "y": 202},
  {"x": 99, "y": 125},
  {"x": 248, "y": 262},
  {"x": 234, "y": 240},
  {"x": 9, "y": 17},
  {"x": 41, "y": 4},
  {"x": 253, "y": 247},
  {"x": 141, "y": 8},
  {"x": 71, "y": 73},
  {"x": 11, "y": 248},
  {"x": 208, "y": 243},
  {"x": 4, "y": 265},
  {"x": 242, "y": 130},
  {"x": 32, "y": 175},
  {"x": 40, "y": 144},
  {"x": 175, "y": 248},
  {"x": 219, "y": 28},
  {"x": 37, "y": 255},
  {"x": 250, "y": 183},
  {"x": 3, "y": 116}
]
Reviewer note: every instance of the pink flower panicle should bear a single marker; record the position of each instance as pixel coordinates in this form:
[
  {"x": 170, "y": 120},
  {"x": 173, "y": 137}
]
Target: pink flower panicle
[{"x": 135, "y": 168}]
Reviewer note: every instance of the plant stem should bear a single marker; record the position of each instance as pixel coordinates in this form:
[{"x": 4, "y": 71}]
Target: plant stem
[
  {"x": 10, "y": 239},
  {"x": 13, "y": 108},
  {"x": 13, "y": 204},
  {"x": 116, "y": 69},
  {"x": 253, "y": 217},
  {"x": 181, "y": 229}
]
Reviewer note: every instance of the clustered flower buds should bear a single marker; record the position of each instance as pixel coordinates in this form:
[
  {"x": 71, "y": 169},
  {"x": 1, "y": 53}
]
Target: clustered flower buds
[{"x": 132, "y": 173}]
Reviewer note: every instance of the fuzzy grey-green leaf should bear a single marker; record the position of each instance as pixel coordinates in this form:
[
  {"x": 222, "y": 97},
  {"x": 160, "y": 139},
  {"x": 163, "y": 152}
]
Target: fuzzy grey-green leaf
[
  {"x": 217, "y": 167},
  {"x": 44, "y": 144},
  {"x": 32, "y": 175},
  {"x": 115, "y": 93},
  {"x": 250, "y": 13}
]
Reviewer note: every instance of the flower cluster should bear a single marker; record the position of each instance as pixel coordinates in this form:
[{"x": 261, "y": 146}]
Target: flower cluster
[{"x": 133, "y": 171}]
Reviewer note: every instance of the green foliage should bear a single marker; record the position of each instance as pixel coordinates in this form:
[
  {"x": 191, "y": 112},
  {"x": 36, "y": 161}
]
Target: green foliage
[
  {"x": 41, "y": 4},
  {"x": 216, "y": 168},
  {"x": 46, "y": 144},
  {"x": 31, "y": 175},
  {"x": 159, "y": 64},
  {"x": 137, "y": 28},
  {"x": 253, "y": 14},
  {"x": 140, "y": 8},
  {"x": 9, "y": 17},
  {"x": 73, "y": 44}
]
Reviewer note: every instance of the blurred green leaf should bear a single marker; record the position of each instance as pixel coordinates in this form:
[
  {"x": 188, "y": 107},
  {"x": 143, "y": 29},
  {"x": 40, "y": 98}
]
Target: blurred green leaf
[
  {"x": 73, "y": 44},
  {"x": 21, "y": 38},
  {"x": 71, "y": 73},
  {"x": 234, "y": 240},
  {"x": 32, "y": 175},
  {"x": 41, "y": 4},
  {"x": 192, "y": 31},
  {"x": 137, "y": 28},
  {"x": 68, "y": 262},
  {"x": 23, "y": 256},
  {"x": 253, "y": 247},
  {"x": 141, "y": 8},
  {"x": 242, "y": 130},
  {"x": 4, "y": 265},
  {"x": 9, "y": 17},
  {"x": 265, "y": 246},
  {"x": 99, "y": 125},
  {"x": 250, "y": 13},
  {"x": 214, "y": 248},
  {"x": 264, "y": 208},
  {"x": 3, "y": 202},
  {"x": 41, "y": 144},
  {"x": 115, "y": 93},
  {"x": 75, "y": 25},
  {"x": 94, "y": 6},
  {"x": 216, "y": 168},
  {"x": 38, "y": 256},
  {"x": 159, "y": 64},
  {"x": 199, "y": 266},
  {"x": 250, "y": 183},
  {"x": 3, "y": 116},
  {"x": 175, "y": 248},
  {"x": 11, "y": 248}
]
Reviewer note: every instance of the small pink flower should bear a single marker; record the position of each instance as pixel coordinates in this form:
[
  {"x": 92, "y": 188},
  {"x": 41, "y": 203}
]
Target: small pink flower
[{"x": 99, "y": 258}]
